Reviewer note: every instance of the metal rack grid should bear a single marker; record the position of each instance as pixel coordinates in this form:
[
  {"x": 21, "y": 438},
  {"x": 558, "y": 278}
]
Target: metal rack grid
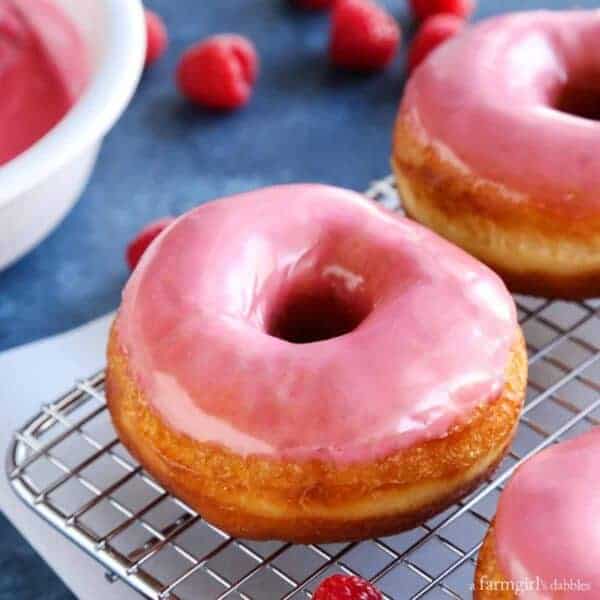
[{"x": 68, "y": 465}]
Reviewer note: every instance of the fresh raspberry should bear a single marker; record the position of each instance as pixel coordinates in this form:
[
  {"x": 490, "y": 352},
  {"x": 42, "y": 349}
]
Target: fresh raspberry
[
  {"x": 313, "y": 4},
  {"x": 422, "y": 9},
  {"x": 364, "y": 37},
  {"x": 156, "y": 37},
  {"x": 346, "y": 587},
  {"x": 143, "y": 239},
  {"x": 432, "y": 33},
  {"x": 219, "y": 72}
]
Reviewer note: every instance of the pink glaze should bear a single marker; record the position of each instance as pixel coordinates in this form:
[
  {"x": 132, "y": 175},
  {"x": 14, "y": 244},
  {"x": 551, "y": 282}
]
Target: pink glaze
[
  {"x": 433, "y": 343},
  {"x": 487, "y": 100},
  {"x": 547, "y": 526},
  {"x": 43, "y": 70}
]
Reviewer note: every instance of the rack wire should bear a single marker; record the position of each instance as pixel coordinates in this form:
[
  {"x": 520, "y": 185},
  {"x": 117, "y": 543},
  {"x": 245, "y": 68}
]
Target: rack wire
[{"x": 68, "y": 465}]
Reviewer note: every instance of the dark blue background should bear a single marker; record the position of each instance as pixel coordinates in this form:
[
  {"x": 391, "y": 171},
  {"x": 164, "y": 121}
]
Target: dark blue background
[{"x": 306, "y": 122}]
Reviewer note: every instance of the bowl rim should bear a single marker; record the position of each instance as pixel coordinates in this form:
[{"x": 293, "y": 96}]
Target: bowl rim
[{"x": 102, "y": 103}]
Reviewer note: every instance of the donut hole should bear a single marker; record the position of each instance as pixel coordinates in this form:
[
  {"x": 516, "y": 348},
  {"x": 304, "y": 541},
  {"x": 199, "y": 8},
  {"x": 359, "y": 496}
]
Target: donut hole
[
  {"x": 317, "y": 313},
  {"x": 581, "y": 98}
]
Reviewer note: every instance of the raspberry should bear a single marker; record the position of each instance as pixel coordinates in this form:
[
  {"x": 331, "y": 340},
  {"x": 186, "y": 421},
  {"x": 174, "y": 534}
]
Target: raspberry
[
  {"x": 313, "y": 4},
  {"x": 156, "y": 37},
  {"x": 432, "y": 33},
  {"x": 143, "y": 239},
  {"x": 346, "y": 587},
  {"x": 364, "y": 37},
  {"x": 218, "y": 72},
  {"x": 427, "y": 8}
]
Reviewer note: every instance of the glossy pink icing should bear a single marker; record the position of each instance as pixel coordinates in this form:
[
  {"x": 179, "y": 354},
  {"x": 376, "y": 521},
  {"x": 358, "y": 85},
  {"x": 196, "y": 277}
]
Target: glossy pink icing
[
  {"x": 43, "y": 70},
  {"x": 547, "y": 526},
  {"x": 486, "y": 99},
  {"x": 196, "y": 312}
]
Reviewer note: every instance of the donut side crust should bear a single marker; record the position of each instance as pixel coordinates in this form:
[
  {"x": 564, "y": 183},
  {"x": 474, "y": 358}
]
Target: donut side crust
[
  {"x": 490, "y": 583},
  {"x": 535, "y": 249},
  {"x": 314, "y": 501}
]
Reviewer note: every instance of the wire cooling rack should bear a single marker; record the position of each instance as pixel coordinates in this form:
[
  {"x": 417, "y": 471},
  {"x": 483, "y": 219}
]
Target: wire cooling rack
[{"x": 68, "y": 465}]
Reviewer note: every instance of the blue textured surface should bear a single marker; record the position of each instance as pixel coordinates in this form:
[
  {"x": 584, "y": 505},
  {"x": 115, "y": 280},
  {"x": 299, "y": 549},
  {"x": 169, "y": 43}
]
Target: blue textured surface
[
  {"x": 305, "y": 123},
  {"x": 23, "y": 576}
]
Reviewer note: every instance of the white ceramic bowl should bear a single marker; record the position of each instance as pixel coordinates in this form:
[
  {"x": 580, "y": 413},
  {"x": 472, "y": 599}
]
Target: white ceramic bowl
[{"x": 38, "y": 187}]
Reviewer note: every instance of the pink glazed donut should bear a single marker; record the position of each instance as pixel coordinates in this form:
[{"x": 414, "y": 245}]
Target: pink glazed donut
[
  {"x": 545, "y": 542},
  {"x": 496, "y": 148},
  {"x": 297, "y": 363}
]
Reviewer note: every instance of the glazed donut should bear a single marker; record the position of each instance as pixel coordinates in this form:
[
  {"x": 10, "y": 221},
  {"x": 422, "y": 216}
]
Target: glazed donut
[
  {"x": 545, "y": 541},
  {"x": 496, "y": 148},
  {"x": 297, "y": 363}
]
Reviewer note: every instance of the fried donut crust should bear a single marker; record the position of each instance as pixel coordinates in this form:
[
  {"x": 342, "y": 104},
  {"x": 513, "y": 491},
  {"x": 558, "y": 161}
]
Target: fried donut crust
[
  {"x": 314, "y": 501},
  {"x": 490, "y": 583},
  {"x": 535, "y": 249}
]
